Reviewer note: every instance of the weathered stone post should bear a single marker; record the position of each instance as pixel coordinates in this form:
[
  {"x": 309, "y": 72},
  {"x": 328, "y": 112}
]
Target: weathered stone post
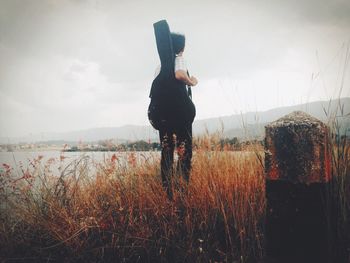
[{"x": 298, "y": 171}]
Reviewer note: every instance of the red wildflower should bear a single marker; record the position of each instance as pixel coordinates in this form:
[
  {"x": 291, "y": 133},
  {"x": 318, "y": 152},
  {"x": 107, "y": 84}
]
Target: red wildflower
[
  {"x": 6, "y": 166},
  {"x": 114, "y": 158}
]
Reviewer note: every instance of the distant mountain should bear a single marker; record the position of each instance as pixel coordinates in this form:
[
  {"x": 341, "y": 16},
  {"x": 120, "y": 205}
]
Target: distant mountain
[
  {"x": 118, "y": 134},
  {"x": 249, "y": 124}
]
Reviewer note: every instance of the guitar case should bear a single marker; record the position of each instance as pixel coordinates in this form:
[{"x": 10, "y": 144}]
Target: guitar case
[{"x": 170, "y": 105}]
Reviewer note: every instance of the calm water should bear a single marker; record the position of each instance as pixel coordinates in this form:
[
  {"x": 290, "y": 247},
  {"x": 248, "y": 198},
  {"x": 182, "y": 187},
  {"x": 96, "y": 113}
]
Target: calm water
[{"x": 59, "y": 160}]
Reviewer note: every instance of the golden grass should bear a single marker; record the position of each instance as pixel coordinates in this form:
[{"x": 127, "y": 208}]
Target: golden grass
[{"x": 121, "y": 213}]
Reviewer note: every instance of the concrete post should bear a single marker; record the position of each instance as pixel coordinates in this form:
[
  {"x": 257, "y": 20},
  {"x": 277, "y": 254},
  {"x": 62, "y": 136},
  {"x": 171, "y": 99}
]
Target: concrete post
[{"x": 298, "y": 172}]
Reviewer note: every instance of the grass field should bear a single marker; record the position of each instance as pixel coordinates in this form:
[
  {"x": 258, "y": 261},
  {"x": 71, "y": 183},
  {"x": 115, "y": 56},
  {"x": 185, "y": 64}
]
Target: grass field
[{"x": 122, "y": 214}]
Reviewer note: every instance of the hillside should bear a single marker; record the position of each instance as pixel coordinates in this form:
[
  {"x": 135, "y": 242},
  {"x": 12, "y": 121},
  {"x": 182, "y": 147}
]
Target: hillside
[{"x": 249, "y": 124}]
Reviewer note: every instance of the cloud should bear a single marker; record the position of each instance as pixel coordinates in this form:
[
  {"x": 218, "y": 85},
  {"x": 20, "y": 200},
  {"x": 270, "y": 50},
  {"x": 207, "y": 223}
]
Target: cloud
[
  {"x": 75, "y": 64},
  {"x": 335, "y": 13},
  {"x": 58, "y": 93}
]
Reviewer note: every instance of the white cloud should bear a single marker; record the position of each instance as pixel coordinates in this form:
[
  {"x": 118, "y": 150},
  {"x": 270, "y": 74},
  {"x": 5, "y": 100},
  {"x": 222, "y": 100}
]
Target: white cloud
[{"x": 68, "y": 65}]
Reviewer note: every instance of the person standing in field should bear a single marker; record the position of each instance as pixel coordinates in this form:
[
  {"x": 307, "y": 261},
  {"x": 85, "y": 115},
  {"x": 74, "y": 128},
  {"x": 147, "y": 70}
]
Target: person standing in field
[{"x": 175, "y": 130}]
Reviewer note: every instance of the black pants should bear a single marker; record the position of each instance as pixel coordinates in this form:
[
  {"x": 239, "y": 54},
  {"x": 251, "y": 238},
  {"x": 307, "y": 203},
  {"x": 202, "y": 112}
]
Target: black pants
[{"x": 181, "y": 138}]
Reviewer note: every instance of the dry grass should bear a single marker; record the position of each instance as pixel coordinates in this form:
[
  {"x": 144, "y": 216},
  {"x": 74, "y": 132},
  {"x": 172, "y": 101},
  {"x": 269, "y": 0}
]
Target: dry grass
[{"x": 122, "y": 214}]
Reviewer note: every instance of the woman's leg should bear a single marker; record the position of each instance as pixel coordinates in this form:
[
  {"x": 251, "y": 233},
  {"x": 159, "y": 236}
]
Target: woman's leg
[
  {"x": 184, "y": 150},
  {"x": 167, "y": 158}
]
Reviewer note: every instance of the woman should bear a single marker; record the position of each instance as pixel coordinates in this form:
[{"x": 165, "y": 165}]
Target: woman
[{"x": 176, "y": 129}]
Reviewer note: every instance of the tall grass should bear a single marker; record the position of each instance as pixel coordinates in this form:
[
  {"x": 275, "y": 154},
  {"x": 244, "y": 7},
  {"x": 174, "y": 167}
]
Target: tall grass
[
  {"x": 339, "y": 194},
  {"x": 116, "y": 210},
  {"x": 121, "y": 213}
]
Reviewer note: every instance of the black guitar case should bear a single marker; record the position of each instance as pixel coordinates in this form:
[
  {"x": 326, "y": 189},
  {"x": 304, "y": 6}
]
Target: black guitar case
[{"x": 171, "y": 105}]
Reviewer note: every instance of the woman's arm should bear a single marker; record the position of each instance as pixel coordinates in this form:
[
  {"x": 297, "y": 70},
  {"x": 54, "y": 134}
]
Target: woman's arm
[{"x": 182, "y": 76}]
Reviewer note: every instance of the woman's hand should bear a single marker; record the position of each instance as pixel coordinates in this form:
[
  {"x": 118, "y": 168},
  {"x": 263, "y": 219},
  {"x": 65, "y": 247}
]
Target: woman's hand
[
  {"x": 194, "y": 81},
  {"x": 182, "y": 75}
]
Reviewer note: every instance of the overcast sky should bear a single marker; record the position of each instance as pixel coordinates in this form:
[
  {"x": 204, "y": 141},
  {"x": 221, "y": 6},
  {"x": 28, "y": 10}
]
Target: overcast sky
[{"x": 71, "y": 65}]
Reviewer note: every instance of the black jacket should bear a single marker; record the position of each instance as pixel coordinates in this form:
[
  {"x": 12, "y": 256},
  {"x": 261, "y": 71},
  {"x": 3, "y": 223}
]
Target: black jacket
[{"x": 170, "y": 102}]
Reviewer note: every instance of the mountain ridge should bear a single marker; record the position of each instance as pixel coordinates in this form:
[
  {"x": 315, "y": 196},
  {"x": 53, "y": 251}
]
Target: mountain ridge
[{"x": 236, "y": 125}]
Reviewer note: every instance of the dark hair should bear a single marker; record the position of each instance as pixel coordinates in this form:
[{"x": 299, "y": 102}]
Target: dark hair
[{"x": 178, "y": 42}]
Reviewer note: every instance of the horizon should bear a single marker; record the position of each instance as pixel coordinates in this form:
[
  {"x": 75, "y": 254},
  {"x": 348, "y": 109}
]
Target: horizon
[
  {"x": 154, "y": 132},
  {"x": 79, "y": 64}
]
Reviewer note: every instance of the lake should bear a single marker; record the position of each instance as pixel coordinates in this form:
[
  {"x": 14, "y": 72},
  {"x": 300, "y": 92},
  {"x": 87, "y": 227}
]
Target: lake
[{"x": 58, "y": 159}]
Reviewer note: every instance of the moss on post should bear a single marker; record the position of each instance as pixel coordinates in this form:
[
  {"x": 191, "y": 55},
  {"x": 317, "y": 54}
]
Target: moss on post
[{"x": 298, "y": 172}]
